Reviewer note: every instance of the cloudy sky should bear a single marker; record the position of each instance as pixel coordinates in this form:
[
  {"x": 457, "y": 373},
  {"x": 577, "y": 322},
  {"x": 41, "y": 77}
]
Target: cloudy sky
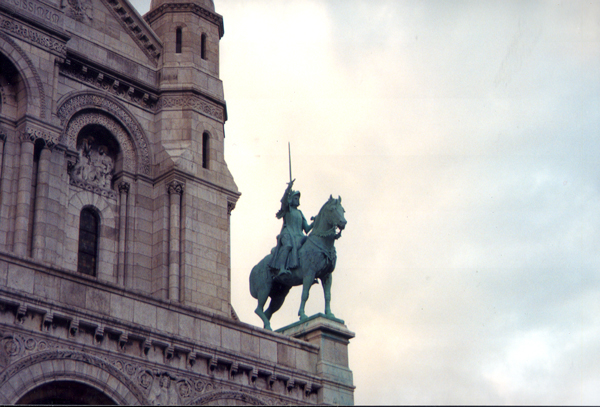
[{"x": 463, "y": 139}]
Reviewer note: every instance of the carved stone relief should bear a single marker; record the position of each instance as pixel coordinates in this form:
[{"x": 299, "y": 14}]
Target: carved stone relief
[
  {"x": 80, "y": 10},
  {"x": 136, "y": 156},
  {"x": 95, "y": 166}
]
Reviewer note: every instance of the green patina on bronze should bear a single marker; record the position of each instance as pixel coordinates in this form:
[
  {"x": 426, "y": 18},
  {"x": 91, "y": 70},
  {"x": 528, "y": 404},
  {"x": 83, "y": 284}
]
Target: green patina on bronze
[{"x": 298, "y": 259}]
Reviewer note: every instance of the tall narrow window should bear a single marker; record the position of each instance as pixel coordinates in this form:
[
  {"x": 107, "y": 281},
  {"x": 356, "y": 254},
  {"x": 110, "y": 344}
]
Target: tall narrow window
[
  {"x": 89, "y": 226},
  {"x": 178, "y": 40},
  {"x": 203, "y": 46},
  {"x": 205, "y": 150}
]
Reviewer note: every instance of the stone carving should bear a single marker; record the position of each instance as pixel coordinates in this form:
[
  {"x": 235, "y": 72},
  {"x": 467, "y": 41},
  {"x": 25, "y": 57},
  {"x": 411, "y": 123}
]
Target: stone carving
[
  {"x": 162, "y": 393},
  {"x": 128, "y": 21},
  {"x": 124, "y": 187},
  {"x": 31, "y": 134},
  {"x": 317, "y": 259},
  {"x": 37, "y": 9},
  {"x": 95, "y": 165},
  {"x": 80, "y": 9},
  {"x": 227, "y": 397},
  {"x": 82, "y": 120},
  {"x": 175, "y": 187},
  {"x": 19, "y": 351},
  {"x": 194, "y": 102},
  {"x": 61, "y": 354},
  {"x": 36, "y": 76},
  {"x": 31, "y": 35},
  {"x": 87, "y": 100},
  {"x": 104, "y": 82}
]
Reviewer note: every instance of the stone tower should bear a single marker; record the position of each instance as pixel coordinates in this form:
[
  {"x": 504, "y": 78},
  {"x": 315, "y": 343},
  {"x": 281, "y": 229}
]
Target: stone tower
[{"x": 115, "y": 204}]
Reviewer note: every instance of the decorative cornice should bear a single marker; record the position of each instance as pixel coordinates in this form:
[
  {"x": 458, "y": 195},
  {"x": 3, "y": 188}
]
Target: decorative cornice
[
  {"x": 136, "y": 28},
  {"x": 192, "y": 101},
  {"x": 214, "y": 18},
  {"x": 145, "y": 377},
  {"x": 110, "y": 83},
  {"x": 107, "y": 193}
]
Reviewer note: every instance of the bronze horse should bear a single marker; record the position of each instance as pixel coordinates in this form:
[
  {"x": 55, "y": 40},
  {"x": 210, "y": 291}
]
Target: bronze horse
[{"x": 317, "y": 261}]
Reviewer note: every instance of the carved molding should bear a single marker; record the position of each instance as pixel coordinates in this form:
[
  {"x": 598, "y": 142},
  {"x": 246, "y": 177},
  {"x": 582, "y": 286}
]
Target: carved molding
[
  {"x": 127, "y": 125},
  {"x": 33, "y": 36},
  {"x": 65, "y": 354},
  {"x": 36, "y": 76},
  {"x": 105, "y": 82},
  {"x": 140, "y": 34},
  {"x": 31, "y": 134},
  {"x": 151, "y": 381},
  {"x": 192, "y": 102}
]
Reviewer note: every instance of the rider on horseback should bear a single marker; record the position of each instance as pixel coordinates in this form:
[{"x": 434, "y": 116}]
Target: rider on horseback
[{"x": 291, "y": 238}]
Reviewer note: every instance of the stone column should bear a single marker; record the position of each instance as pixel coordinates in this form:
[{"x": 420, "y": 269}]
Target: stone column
[
  {"x": 175, "y": 190},
  {"x": 332, "y": 337},
  {"x": 2, "y": 141},
  {"x": 41, "y": 196},
  {"x": 23, "y": 195},
  {"x": 121, "y": 269}
]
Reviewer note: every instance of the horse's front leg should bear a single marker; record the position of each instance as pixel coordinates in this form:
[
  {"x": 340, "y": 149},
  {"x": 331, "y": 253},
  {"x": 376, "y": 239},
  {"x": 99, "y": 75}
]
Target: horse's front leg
[
  {"x": 326, "y": 282},
  {"x": 306, "y": 284}
]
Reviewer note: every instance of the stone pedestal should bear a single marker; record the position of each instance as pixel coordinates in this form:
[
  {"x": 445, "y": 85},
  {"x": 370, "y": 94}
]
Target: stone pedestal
[{"x": 332, "y": 336}]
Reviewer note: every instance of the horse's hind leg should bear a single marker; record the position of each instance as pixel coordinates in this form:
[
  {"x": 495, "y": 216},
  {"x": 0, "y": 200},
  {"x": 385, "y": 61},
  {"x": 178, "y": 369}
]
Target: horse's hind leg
[
  {"x": 276, "y": 302},
  {"x": 263, "y": 295},
  {"x": 326, "y": 282}
]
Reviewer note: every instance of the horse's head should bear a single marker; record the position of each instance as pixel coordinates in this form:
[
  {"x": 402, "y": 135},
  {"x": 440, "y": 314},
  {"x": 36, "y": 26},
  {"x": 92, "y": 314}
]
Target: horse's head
[{"x": 330, "y": 221}]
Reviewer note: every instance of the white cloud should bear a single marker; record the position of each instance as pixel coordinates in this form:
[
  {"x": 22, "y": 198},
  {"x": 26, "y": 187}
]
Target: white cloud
[{"x": 462, "y": 137}]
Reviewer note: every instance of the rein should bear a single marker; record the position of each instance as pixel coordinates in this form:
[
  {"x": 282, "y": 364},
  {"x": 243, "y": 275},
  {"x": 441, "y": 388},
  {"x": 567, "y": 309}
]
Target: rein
[{"x": 329, "y": 253}]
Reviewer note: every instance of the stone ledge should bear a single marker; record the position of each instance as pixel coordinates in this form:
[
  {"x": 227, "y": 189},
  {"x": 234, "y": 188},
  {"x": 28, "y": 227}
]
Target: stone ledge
[{"x": 318, "y": 322}]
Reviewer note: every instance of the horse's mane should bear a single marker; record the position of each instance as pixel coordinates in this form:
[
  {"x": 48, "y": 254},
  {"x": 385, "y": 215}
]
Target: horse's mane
[{"x": 320, "y": 226}]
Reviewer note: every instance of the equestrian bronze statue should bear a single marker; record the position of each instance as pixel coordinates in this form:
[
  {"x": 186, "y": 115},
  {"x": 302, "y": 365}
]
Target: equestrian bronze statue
[{"x": 298, "y": 259}]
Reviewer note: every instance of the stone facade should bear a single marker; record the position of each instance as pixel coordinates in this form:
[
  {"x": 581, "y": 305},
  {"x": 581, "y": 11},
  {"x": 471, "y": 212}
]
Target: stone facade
[{"x": 115, "y": 204}]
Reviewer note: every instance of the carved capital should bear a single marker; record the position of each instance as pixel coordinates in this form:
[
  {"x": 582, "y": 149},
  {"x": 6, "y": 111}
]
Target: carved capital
[
  {"x": 175, "y": 187},
  {"x": 32, "y": 135},
  {"x": 230, "y": 207},
  {"x": 124, "y": 187}
]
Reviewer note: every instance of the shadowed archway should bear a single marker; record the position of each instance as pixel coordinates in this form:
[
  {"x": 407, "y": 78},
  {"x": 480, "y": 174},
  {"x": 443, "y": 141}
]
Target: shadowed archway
[{"x": 66, "y": 393}]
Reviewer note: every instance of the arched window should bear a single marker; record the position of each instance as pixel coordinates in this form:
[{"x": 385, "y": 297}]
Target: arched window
[
  {"x": 203, "y": 46},
  {"x": 178, "y": 40},
  {"x": 89, "y": 228},
  {"x": 205, "y": 150}
]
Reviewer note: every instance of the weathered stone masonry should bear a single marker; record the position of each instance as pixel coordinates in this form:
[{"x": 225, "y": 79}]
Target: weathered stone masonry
[{"x": 115, "y": 206}]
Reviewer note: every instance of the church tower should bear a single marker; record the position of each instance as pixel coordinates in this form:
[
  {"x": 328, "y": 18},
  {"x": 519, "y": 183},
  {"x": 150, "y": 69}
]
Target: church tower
[
  {"x": 189, "y": 128},
  {"x": 115, "y": 205}
]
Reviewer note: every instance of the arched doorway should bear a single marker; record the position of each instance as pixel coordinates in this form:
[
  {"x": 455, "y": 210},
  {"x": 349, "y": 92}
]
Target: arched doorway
[{"x": 66, "y": 393}]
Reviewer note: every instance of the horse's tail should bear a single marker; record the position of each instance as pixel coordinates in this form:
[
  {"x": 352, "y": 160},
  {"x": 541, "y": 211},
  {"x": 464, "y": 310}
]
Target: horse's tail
[{"x": 260, "y": 276}]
